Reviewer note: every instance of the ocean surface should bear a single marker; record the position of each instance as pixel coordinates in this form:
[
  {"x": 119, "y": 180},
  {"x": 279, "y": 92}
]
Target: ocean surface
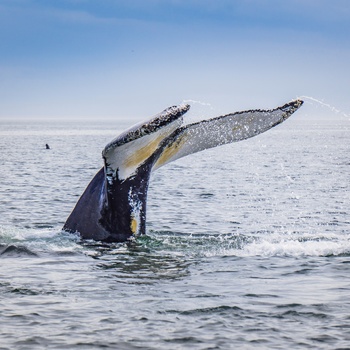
[{"x": 247, "y": 245}]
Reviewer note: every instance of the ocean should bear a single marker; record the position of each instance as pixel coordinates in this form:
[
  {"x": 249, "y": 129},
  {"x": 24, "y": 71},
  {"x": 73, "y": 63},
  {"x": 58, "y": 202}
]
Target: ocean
[{"x": 247, "y": 245}]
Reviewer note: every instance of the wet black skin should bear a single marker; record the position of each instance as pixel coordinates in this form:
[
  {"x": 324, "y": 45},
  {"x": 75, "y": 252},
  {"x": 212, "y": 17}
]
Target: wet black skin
[
  {"x": 104, "y": 212},
  {"x": 106, "y": 215}
]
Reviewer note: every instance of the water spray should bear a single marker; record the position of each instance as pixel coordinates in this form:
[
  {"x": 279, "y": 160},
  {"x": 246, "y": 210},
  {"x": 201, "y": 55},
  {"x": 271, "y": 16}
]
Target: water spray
[{"x": 309, "y": 99}]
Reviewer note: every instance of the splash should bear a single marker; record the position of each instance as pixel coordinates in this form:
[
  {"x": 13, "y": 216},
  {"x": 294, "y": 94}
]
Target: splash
[
  {"x": 266, "y": 244},
  {"x": 296, "y": 246},
  {"x": 25, "y": 241},
  {"x": 311, "y": 100},
  {"x": 198, "y": 102},
  {"x": 199, "y": 111}
]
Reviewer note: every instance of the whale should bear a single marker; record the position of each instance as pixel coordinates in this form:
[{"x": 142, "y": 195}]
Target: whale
[{"x": 113, "y": 206}]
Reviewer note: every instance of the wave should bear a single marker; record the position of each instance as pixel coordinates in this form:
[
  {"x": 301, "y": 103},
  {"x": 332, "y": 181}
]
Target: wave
[
  {"x": 264, "y": 244},
  {"x": 23, "y": 242},
  {"x": 37, "y": 242}
]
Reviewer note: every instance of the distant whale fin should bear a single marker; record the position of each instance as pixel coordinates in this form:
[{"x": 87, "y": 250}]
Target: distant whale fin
[{"x": 218, "y": 131}]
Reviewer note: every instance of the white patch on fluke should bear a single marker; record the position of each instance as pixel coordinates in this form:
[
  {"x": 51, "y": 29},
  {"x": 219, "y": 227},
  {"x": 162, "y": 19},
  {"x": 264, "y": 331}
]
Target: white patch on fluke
[{"x": 124, "y": 160}]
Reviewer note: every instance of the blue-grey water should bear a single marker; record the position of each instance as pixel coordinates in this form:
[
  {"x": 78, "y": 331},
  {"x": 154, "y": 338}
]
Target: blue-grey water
[{"x": 247, "y": 245}]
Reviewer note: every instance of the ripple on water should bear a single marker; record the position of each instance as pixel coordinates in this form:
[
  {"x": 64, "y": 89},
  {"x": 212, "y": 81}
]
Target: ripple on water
[{"x": 16, "y": 251}]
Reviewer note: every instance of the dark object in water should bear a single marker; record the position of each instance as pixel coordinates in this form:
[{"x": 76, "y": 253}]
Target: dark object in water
[{"x": 47, "y": 146}]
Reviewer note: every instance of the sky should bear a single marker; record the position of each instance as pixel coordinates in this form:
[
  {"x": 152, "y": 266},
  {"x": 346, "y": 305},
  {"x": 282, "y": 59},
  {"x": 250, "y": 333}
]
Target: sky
[{"x": 133, "y": 58}]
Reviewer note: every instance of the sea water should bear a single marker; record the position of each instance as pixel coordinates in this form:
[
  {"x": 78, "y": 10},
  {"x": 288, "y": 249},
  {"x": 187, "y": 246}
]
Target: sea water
[{"x": 247, "y": 245}]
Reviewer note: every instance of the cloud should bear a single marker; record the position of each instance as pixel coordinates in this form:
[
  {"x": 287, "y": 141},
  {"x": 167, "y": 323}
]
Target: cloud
[
  {"x": 76, "y": 16},
  {"x": 89, "y": 57}
]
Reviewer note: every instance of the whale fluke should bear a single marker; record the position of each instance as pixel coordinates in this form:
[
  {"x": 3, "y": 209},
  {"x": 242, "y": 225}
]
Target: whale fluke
[{"x": 113, "y": 206}]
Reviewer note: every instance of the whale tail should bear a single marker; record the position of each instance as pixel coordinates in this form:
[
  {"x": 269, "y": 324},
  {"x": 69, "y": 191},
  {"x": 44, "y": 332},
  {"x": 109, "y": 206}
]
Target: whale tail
[
  {"x": 222, "y": 130},
  {"x": 113, "y": 207}
]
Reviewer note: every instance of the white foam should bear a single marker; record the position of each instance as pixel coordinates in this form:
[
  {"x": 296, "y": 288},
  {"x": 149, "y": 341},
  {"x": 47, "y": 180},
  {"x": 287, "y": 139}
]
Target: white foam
[
  {"x": 38, "y": 239},
  {"x": 295, "y": 248}
]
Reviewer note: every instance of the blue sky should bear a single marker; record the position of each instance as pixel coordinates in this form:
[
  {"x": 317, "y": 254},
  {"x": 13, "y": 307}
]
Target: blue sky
[{"x": 104, "y": 58}]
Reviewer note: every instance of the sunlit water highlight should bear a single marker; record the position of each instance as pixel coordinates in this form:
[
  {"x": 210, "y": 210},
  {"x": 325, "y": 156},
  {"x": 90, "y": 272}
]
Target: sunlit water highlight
[{"x": 247, "y": 245}]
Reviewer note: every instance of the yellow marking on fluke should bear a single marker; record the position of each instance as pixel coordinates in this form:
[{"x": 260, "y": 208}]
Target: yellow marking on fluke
[
  {"x": 237, "y": 127},
  {"x": 170, "y": 151},
  {"x": 143, "y": 153},
  {"x": 133, "y": 225}
]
